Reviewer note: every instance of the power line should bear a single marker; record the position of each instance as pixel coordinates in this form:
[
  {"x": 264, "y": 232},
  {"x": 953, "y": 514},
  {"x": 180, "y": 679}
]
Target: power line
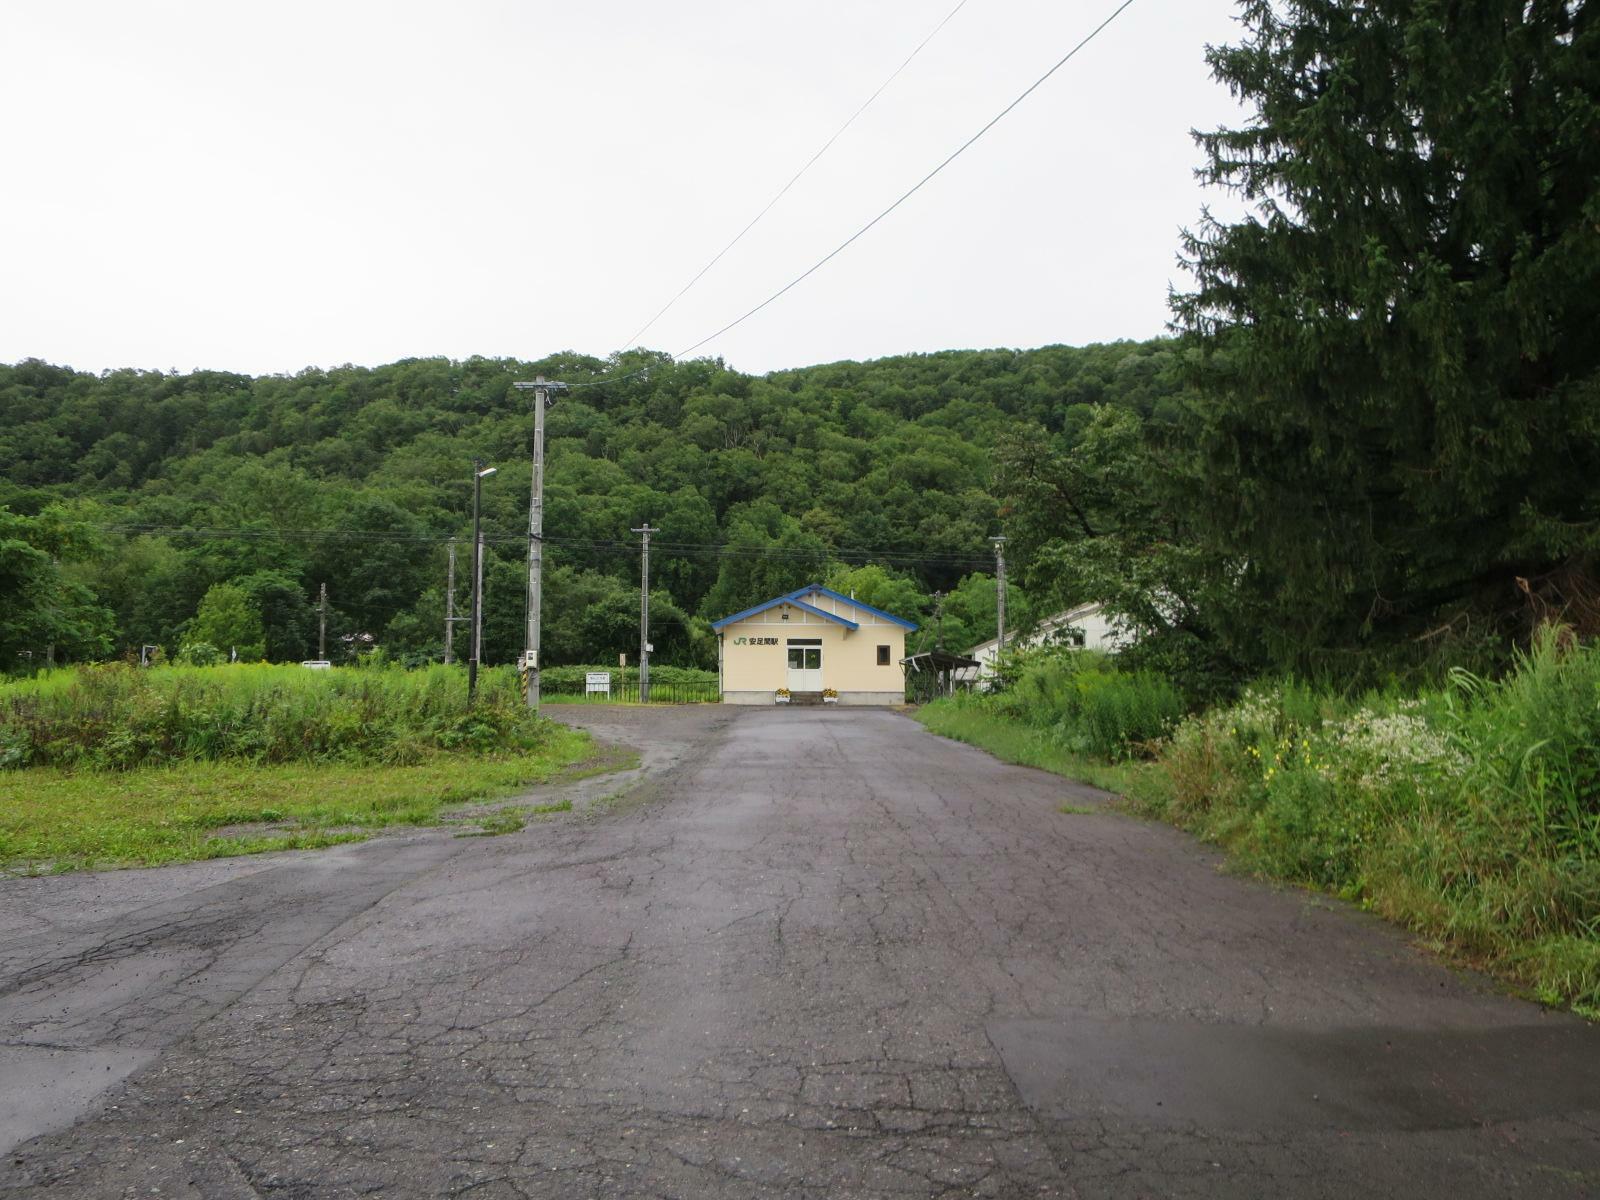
[
  {"x": 247, "y": 532},
  {"x": 784, "y": 190},
  {"x": 634, "y": 374},
  {"x": 932, "y": 558},
  {"x": 914, "y": 189}
]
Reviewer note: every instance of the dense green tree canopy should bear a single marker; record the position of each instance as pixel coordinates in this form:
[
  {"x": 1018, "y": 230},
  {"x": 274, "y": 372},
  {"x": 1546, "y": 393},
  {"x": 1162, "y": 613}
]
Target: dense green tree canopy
[
  {"x": 44, "y": 612},
  {"x": 1397, "y": 368},
  {"x": 356, "y": 478},
  {"x": 229, "y": 620}
]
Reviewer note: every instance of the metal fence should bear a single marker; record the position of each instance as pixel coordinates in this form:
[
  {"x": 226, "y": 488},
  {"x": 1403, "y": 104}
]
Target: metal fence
[{"x": 628, "y": 693}]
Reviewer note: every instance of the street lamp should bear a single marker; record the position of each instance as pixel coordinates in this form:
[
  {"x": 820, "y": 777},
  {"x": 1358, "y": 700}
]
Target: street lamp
[{"x": 479, "y": 474}]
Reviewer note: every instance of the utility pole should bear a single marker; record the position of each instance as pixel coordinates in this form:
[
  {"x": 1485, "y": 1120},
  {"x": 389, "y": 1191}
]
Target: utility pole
[
  {"x": 479, "y": 473},
  {"x": 999, "y": 597},
  {"x": 542, "y": 390},
  {"x": 644, "y": 611},
  {"x": 450, "y": 606},
  {"x": 322, "y": 622},
  {"x": 50, "y": 648},
  {"x": 938, "y": 621}
]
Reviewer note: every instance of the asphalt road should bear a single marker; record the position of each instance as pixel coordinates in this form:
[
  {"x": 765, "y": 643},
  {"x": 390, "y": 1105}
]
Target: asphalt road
[{"x": 812, "y": 953}]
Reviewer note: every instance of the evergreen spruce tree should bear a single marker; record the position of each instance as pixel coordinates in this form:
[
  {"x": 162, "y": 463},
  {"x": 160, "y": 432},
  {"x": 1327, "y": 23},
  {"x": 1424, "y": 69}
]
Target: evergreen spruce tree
[{"x": 1399, "y": 348}]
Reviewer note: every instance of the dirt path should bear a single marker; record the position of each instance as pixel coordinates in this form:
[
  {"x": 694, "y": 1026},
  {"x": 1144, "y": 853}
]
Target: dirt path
[{"x": 818, "y": 954}]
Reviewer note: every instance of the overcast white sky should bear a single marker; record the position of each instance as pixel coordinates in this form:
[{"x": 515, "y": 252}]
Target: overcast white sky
[{"x": 264, "y": 187}]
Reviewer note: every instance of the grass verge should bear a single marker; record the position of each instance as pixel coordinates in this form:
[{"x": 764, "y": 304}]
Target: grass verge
[
  {"x": 1468, "y": 812},
  {"x": 1013, "y": 742},
  {"x": 57, "y": 820}
]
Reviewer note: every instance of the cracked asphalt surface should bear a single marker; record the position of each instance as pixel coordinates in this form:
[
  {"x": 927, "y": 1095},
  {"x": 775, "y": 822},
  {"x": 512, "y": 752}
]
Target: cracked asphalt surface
[{"x": 812, "y": 953}]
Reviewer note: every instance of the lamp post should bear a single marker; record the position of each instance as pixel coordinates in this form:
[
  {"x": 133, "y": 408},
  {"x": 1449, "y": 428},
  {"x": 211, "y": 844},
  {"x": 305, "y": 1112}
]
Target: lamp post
[{"x": 479, "y": 474}]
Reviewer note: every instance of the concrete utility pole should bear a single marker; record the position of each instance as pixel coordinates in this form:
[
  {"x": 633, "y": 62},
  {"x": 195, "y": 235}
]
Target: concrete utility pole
[
  {"x": 938, "y": 620},
  {"x": 450, "y": 606},
  {"x": 644, "y": 611},
  {"x": 479, "y": 473},
  {"x": 322, "y": 622},
  {"x": 542, "y": 399},
  {"x": 999, "y": 597}
]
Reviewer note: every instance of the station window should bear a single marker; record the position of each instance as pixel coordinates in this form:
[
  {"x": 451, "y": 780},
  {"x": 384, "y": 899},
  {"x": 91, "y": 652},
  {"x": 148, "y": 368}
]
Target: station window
[{"x": 883, "y": 656}]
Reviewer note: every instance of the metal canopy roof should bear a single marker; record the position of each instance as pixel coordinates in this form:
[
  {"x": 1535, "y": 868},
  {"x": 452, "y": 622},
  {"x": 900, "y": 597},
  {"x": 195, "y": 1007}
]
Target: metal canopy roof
[{"x": 938, "y": 660}]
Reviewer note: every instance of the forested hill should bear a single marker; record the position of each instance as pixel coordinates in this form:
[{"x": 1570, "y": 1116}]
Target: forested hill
[{"x": 354, "y": 477}]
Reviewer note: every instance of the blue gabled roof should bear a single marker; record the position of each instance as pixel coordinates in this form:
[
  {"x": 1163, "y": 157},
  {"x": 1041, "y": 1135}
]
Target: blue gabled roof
[
  {"x": 877, "y": 612},
  {"x": 792, "y": 599}
]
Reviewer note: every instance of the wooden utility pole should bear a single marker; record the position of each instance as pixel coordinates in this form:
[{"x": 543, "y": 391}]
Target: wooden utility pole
[
  {"x": 542, "y": 390},
  {"x": 999, "y": 597},
  {"x": 644, "y": 611},
  {"x": 450, "y": 606}
]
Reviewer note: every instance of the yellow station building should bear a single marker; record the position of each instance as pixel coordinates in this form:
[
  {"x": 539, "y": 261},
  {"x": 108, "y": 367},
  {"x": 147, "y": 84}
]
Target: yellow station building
[{"x": 811, "y": 642}]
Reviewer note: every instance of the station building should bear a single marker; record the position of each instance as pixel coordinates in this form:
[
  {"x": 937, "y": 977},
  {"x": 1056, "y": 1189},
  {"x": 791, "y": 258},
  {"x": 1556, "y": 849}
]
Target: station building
[
  {"x": 812, "y": 642},
  {"x": 1088, "y": 627}
]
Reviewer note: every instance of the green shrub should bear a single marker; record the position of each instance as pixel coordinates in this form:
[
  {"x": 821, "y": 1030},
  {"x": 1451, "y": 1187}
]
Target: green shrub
[
  {"x": 1470, "y": 812},
  {"x": 120, "y": 717},
  {"x": 1091, "y": 707},
  {"x": 199, "y": 654}
]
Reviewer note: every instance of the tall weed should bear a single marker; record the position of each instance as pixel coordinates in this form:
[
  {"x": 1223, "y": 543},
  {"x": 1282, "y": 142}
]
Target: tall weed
[
  {"x": 1093, "y": 708},
  {"x": 119, "y": 717},
  {"x": 1470, "y": 812}
]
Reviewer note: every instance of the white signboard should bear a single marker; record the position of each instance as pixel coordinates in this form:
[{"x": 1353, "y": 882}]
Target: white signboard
[{"x": 597, "y": 683}]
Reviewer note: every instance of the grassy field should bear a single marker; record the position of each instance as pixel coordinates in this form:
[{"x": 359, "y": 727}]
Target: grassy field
[
  {"x": 1011, "y": 741},
  {"x": 114, "y": 716},
  {"x": 114, "y": 766},
  {"x": 56, "y": 820}
]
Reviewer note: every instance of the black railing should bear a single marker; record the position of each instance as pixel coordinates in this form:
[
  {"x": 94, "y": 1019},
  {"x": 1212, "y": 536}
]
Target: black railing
[{"x": 628, "y": 693}]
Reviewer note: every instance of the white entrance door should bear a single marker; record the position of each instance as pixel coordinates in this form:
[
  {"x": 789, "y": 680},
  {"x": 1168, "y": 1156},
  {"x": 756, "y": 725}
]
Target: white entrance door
[{"x": 805, "y": 664}]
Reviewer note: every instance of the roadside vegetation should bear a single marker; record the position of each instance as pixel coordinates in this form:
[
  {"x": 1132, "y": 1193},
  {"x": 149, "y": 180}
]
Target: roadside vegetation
[
  {"x": 117, "y": 717},
  {"x": 668, "y": 685},
  {"x": 1467, "y": 811},
  {"x": 1071, "y": 713},
  {"x": 112, "y": 765}
]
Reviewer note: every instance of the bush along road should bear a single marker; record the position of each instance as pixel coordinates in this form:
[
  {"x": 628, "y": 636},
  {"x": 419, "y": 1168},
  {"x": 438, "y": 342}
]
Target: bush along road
[{"x": 1469, "y": 812}]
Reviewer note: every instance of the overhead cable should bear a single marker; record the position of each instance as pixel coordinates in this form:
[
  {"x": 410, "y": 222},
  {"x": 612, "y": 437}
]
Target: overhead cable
[
  {"x": 914, "y": 189},
  {"x": 784, "y": 190},
  {"x": 930, "y": 558}
]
